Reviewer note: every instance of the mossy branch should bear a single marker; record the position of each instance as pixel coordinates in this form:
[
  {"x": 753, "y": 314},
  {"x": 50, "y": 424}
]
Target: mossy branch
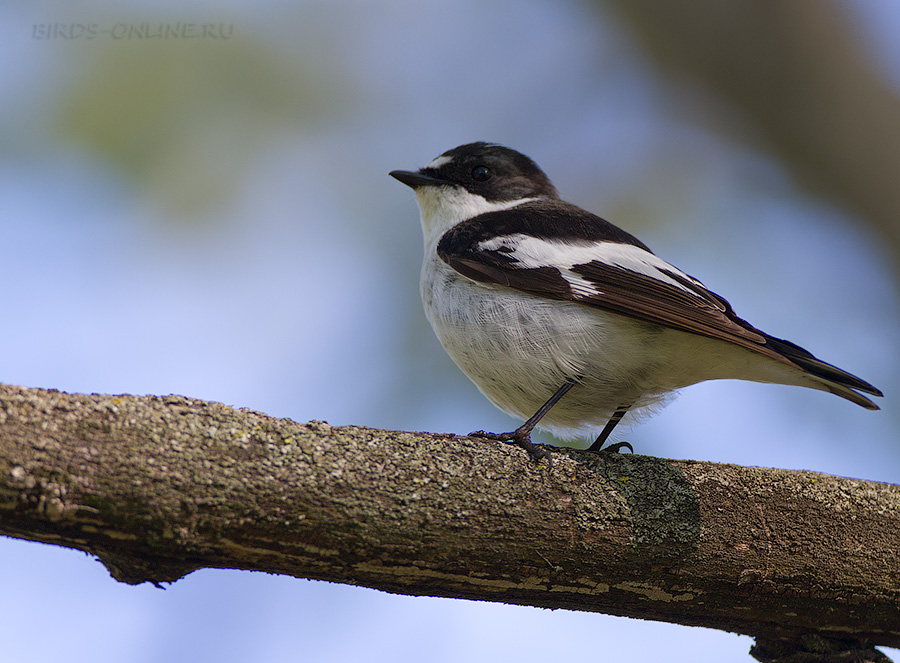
[{"x": 157, "y": 487}]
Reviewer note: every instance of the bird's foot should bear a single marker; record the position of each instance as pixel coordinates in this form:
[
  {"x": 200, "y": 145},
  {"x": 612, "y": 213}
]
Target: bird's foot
[
  {"x": 521, "y": 437},
  {"x": 613, "y": 448}
]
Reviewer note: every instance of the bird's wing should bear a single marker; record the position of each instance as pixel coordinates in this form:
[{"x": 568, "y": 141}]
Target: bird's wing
[
  {"x": 555, "y": 250},
  {"x": 532, "y": 248}
]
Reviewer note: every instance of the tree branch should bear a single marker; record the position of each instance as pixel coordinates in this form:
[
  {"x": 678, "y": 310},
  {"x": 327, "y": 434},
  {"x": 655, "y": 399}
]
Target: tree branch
[{"x": 157, "y": 487}]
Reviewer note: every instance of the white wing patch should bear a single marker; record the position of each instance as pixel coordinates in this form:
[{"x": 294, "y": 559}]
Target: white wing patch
[
  {"x": 580, "y": 285},
  {"x": 532, "y": 252}
]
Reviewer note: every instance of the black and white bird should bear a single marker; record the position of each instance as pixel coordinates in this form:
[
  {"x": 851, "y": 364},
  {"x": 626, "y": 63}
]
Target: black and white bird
[{"x": 565, "y": 320}]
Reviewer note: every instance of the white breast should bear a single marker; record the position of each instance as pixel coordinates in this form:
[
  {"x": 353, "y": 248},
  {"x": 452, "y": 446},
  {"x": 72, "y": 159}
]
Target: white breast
[{"x": 519, "y": 349}]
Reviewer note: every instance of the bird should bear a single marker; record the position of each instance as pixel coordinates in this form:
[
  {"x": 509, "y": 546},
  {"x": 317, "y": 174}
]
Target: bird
[{"x": 567, "y": 321}]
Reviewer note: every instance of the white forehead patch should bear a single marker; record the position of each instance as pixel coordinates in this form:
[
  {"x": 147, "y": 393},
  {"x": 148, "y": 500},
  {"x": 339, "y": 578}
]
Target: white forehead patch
[{"x": 440, "y": 161}]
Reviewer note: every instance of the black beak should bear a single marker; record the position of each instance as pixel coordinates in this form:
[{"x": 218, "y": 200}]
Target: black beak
[{"x": 415, "y": 179}]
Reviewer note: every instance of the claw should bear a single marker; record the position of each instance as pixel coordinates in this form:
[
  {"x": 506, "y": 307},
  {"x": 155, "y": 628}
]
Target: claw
[
  {"x": 614, "y": 448},
  {"x": 519, "y": 437}
]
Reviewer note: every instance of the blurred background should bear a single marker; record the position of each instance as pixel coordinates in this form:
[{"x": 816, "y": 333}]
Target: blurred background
[{"x": 212, "y": 216}]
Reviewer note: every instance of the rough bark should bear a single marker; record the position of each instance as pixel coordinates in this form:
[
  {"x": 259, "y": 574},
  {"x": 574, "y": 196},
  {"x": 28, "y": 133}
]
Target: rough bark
[{"x": 157, "y": 487}]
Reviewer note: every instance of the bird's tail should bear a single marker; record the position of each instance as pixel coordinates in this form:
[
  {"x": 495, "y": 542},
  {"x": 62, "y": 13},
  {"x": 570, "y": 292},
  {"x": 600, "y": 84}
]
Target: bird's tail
[{"x": 830, "y": 378}]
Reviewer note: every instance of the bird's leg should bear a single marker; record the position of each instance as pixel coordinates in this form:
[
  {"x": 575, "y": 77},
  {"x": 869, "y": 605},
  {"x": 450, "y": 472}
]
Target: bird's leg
[
  {"x": 604, "y": 434},
  {"x": 522, "y": 435}
]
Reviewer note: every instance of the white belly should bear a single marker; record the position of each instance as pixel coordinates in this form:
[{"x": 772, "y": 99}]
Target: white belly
[{"x": 520, "y": 348}]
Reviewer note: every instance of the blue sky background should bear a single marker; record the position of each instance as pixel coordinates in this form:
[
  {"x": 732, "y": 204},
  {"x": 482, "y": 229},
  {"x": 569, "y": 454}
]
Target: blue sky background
[{"x": 215, "y": 219}]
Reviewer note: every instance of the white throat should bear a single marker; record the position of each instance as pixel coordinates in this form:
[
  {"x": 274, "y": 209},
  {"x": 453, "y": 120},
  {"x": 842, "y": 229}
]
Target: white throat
[{"x": 443, "y": 207}]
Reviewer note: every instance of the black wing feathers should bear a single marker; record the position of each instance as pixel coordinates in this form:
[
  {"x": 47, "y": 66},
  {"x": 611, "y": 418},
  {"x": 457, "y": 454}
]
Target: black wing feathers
[
  {"x": 672, "y": 300},
  {"x": 544, "y": 219}
]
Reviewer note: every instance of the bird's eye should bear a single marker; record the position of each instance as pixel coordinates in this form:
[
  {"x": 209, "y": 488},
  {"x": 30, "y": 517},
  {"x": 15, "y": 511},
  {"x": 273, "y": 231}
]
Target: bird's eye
[{"x": 481, "y": 173}]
